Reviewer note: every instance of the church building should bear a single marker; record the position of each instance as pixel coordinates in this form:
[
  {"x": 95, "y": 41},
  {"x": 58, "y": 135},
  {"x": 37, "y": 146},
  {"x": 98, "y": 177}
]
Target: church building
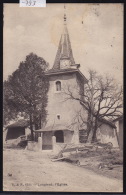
[{"x": 64, "y": 77}]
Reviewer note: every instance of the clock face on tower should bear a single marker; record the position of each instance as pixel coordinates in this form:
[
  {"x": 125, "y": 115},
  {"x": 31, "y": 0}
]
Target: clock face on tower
[{"x": 64, "y": 63}]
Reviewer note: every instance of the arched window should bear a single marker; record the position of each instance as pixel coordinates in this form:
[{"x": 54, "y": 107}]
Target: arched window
[{"x": 58, "y": 86}]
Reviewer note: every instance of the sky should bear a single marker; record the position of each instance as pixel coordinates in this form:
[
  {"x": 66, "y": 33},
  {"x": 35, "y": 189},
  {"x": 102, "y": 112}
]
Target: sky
[{"x": 95, "y": 30}]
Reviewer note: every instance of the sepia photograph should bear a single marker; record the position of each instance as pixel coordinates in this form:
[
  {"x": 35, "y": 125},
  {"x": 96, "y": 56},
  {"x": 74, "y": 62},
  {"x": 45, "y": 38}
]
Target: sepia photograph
[{"x": 63, "y": 97}]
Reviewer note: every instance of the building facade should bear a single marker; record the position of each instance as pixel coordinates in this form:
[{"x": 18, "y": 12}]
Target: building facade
[
  {"x": 17, "y": 129},
  {"x": 66, "y": 80},
  {"x": 119, "y": 128},
  {"x": 64, "y": 77}
]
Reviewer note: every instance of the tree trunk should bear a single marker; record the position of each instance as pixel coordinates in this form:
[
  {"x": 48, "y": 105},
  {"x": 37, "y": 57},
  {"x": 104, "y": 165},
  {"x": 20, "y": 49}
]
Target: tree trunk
[
  {"x": 40, "y": 118},
  {"x": 89, "y": 140},
  {"x": 94, "y": 137},
  {"x": 88, "y": 123},
  {"x": 37, "y": 121},
  {"x": 90, "y": 128},
  {"x": 31, "y": 128}
]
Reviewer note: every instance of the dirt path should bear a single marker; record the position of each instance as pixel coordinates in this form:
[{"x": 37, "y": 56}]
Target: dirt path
[{"x": 33, "y": 171}]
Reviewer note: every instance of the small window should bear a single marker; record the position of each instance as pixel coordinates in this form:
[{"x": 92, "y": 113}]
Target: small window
[
  {"x": 58, "y": 116},
  {"x": 58, "y": 86}
]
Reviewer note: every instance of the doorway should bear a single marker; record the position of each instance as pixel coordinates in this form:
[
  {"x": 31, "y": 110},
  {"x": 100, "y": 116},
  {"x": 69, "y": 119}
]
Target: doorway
[{"x": 59, "y": 136}]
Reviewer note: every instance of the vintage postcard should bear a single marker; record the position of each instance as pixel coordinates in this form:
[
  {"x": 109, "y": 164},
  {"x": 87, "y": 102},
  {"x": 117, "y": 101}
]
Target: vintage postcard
[{"x": 63, "y": 97}]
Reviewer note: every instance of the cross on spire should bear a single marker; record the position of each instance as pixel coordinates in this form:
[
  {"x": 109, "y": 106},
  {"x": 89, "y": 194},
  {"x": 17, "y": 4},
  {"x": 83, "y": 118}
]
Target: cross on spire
[
  {"x": 64, "y": 14},
  {"x": 64, "y": 18}
]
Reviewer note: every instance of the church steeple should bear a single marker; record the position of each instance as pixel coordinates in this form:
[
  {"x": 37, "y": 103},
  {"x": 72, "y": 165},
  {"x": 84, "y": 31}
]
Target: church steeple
[{"x": 64, "y": 57}]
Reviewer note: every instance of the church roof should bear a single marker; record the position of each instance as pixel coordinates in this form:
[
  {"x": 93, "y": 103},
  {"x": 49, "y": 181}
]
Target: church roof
[
  {"x": 118, "y": 119},
  {"x": 64, "y": 48},
  {"x": 110, "y": 123},
  {"x": 56, "y": 127},
  {"x": 62, "y": 71},
  {"x": 19, "y": 123},
  {"x": 65, "y": 52}
]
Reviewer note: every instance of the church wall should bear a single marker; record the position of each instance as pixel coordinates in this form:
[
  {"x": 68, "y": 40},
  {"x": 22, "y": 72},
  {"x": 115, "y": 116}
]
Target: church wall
[
  {"x": 57, "y": 103},
  {"x": 80, "y": 82},
  {"x": 68, "y": 136}
]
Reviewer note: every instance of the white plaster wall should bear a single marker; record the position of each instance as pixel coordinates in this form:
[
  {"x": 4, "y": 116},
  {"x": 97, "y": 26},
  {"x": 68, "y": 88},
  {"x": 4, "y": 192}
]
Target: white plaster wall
[
  {"x": 107, "y": 134},
  {"x": 27, "y": 131},
  {"x": 57, "y": 104},
  {"x": 75, "y": 138},
  {"x": 68, "y": 136},
  {"x": 4, "y": 135},
  {"x": 117, "y": 126}
]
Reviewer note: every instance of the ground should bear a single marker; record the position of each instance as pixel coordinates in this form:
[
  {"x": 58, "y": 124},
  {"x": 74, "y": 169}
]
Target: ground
[
  {"x": 105, "y": 162},
  {"x": 25, "y": 170}
]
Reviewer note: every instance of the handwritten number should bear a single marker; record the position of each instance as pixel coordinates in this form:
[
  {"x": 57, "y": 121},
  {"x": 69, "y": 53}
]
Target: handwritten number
[
  {"x": 30, "y": 3},
  {"x": 26, "y": 2},
  {"x": 34, "y": 3}
]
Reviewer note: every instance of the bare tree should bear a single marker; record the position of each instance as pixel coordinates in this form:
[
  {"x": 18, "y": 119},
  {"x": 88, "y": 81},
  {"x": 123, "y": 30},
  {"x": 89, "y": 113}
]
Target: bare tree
[{"x": 102, "y": 98}]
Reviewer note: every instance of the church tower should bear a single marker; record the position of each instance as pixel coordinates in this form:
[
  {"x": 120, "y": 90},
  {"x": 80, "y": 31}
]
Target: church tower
[{"x": 64, "y": 77}]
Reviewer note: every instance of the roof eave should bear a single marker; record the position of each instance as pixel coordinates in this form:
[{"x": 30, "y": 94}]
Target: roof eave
[
  {"x": 16, "y": 126},
  {"x": 86, "y": 81},
  {"x": 69, "y": 71},
  {"x": 107, "y": 122},
  {"x": 23, "y": 124},
  {"x": 45, "y": 130},
  {"x": 118, "y": 119}
]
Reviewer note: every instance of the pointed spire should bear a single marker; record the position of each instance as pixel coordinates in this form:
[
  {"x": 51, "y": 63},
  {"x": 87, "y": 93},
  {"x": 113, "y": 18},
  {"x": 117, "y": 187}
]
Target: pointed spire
[{"x": 64, "y": 48}]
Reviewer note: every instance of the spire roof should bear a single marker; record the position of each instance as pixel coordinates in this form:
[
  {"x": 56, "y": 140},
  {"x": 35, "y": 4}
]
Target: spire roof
[{"x": 64, "y": 48}]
